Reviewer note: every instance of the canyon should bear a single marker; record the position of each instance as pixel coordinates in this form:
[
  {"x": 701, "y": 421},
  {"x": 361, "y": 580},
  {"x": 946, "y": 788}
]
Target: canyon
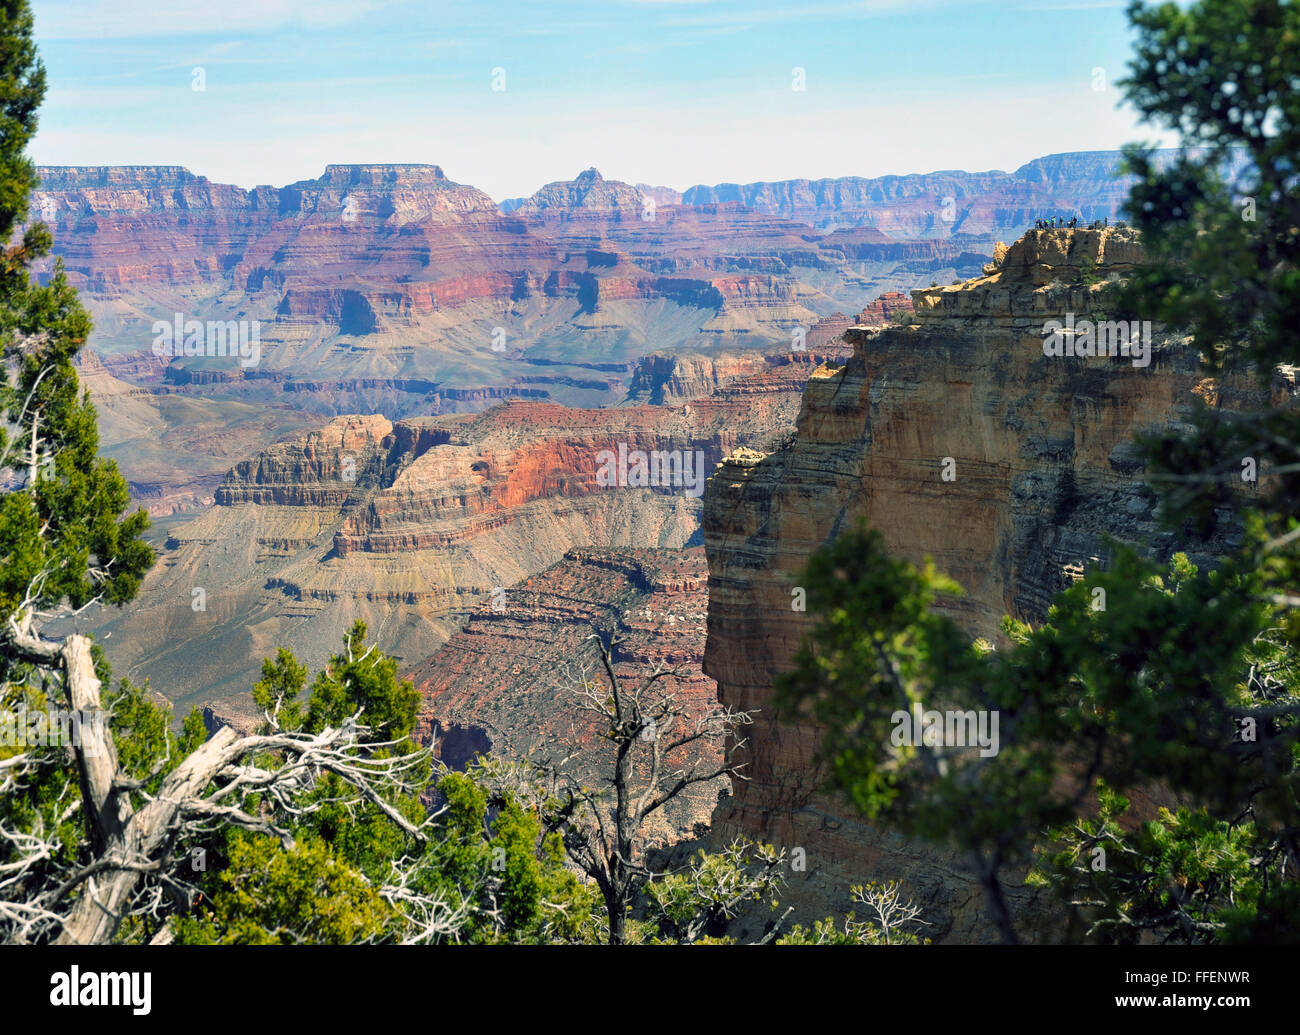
[
  {"x": 394, "y": 289},
  {"x": 396, "y": 273},
  {"x": 387, "y": 461},
  {"x": 411, "y": 525}
]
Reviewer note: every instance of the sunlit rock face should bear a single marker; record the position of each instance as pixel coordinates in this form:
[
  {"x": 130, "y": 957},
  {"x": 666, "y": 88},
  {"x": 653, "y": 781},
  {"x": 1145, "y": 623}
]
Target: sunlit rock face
[{"x": 958, "y": 439}]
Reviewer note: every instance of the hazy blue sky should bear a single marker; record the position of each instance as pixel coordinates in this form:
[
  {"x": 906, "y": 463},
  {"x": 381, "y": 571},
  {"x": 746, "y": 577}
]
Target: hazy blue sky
[{"x": 672, "y": 92}]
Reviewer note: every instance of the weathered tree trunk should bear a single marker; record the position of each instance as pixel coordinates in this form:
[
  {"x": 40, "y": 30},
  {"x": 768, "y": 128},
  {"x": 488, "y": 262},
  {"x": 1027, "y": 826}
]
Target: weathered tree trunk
[
  {"x": 107, "y": 810},
  {"x": 96, "y": 914},
  {"x": 124, "y": 842},
  {"x": 617, "y": 921},
  {"x": 128, "y": 845}
]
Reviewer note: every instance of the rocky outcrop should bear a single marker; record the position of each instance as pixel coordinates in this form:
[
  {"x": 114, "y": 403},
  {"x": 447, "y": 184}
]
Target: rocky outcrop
[
  {"x": 508, "y": 682},
  {"x": 589, "y": 190},
  {"x": 670, "y": 379},
  {"x": 884, "y": 309},
  {"x": 1039, "y": 449}
]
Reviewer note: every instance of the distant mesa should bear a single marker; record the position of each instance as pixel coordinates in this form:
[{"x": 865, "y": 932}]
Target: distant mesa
[{"x": 379, "y": 175}]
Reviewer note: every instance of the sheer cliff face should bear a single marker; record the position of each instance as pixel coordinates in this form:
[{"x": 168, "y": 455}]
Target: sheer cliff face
[{"x": 1041, "y": 467}]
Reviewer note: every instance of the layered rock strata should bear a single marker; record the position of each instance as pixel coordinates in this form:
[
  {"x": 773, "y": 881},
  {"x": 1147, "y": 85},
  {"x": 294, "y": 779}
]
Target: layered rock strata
[
  {"x": 393, "y": 289},
  {"x": 1042, "y": 467},
  {"x": 411, "y": 524},
  {"x": 1087, "y": 184}
]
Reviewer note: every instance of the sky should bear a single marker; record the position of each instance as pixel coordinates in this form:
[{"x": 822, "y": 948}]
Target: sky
[{"x": 510, "y": 95}]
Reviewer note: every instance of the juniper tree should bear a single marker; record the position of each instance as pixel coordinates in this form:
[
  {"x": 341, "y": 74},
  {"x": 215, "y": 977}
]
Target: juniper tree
[
  {"x": 65, "y": 538},
  {"x": 361, "y": 853}
]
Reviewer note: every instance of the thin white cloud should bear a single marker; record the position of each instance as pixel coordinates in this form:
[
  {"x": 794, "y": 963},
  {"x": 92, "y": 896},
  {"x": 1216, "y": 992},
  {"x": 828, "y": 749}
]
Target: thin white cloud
[{"x": 138, "y": 19}]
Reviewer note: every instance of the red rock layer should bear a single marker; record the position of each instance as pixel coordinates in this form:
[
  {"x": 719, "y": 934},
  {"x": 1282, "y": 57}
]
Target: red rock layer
[
  {"x": 394, "y": 289},
  {"x": 879, "y": 312}
]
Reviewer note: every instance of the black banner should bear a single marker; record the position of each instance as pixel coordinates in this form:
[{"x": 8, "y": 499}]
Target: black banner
[{"x": 235, "y": 987}]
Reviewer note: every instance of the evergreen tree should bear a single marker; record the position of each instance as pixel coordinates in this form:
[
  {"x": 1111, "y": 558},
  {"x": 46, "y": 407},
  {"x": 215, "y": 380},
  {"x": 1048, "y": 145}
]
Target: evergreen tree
[
  {"x": 64, "y": 539},
  {"x": 332, "y": 866}
]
